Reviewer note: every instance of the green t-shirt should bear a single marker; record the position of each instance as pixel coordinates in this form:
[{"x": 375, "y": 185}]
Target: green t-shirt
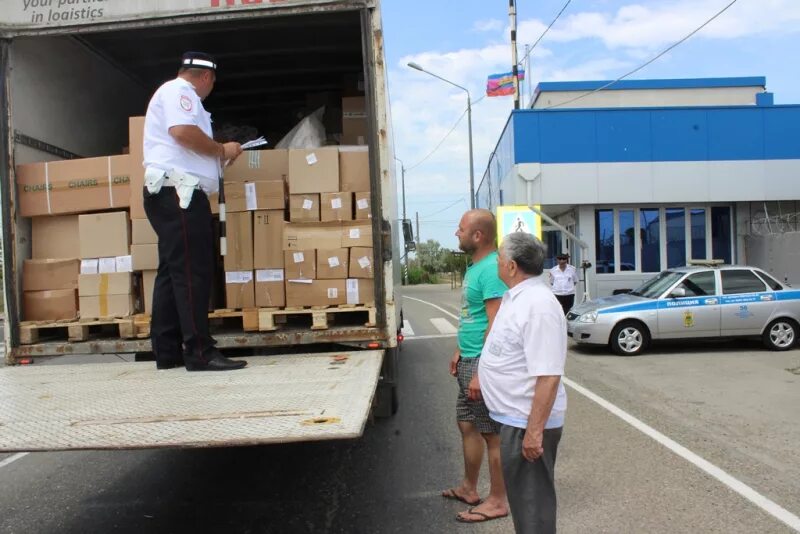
[{"x": 481, "y": 283}]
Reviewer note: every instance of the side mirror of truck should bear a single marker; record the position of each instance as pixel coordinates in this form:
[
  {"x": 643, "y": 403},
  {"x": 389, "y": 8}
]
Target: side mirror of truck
[{"x": 408, "y": 233}]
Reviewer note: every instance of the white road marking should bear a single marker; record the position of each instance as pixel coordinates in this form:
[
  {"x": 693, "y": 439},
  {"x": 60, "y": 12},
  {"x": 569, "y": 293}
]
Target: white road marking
[
  {"x": 407, "y": 330},
  {"x": 443, "y": 325},
  {"x": 772, "y": 508},
  {"x": 11, "y": 459},
  {"x": 430, "y": 336},
  {"x": 433, "y": 305}
]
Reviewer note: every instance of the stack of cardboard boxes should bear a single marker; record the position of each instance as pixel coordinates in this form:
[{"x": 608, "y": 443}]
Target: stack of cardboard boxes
[{"x": 299, "y": 229}]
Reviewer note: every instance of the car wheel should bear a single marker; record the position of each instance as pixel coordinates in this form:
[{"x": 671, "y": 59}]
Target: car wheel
[
  {"x": 780, "y": 334},
  {"x": 629, "y": 338}
]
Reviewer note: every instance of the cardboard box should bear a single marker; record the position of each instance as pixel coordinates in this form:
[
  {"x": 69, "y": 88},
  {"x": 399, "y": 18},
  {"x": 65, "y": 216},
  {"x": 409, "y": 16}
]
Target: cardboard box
[
  {"x": 302, "y": 236},
  {"x": 356, "y": 234},
  {"x": 148, "y": 284},
  {"x": 252, "y": 196},
  {"x": 45, "y": 275},
  {"x": 136, "y": 148},
  {"x": 74, "y": 186},
  {"x": 360, "y": 291},
  {"x": 314, "y": 171},
  {"x": 362, "y": 205},
  {"x": 239, "y": 256},
  {"x": 315, "y": 292},
  {"x": 53, "y": 305},
  {"x": 332, "y": 263},
  {"x": 55, "y": 237},
  {"x": 145, "y": 257},
  {"x": 354, "y": 168},
  {"x": 239, "y": 290},
  {"x": 268, "y": 239},
  {"x": 361, "y": 263},
  {"x": 336, "y": 207},
  {"x": 354, "y": 120},
  {"x": 256, "y": 165},
  {"x": 104, "y": 234},
  {"x": 270, "y": 288},
  {"x": 301, "y": 264},
  {"x": 142, "y": 233},
  {"x": 304, "y": 208},
  {"x": 105, "y": 295}
]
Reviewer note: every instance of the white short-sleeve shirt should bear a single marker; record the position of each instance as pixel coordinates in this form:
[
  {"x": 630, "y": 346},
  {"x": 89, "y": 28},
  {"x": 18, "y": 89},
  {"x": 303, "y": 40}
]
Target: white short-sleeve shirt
[
  {"x": 176, "y": 103},
  {"x": 564, "y": 282},
  {"x": 528, "y": 339}
]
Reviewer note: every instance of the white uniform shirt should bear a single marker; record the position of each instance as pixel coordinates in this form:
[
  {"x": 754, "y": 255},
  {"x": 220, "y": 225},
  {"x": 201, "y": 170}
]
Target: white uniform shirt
[
  {"x": 528, "y": 339},
  {"x": 563, "y": 282},
  {"x": 176, "y": 103}
]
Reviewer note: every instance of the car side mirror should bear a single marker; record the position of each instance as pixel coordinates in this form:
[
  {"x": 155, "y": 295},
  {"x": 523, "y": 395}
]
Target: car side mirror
[{"x": 677, "y": 293}]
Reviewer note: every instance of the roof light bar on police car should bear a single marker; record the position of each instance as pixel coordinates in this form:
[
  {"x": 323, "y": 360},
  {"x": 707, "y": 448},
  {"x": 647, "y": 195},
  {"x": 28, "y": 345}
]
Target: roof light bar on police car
[{"x": 706, "y": 263}]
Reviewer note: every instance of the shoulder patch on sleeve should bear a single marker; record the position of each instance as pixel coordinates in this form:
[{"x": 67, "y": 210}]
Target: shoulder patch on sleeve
[{"x": 186, "y": 103}]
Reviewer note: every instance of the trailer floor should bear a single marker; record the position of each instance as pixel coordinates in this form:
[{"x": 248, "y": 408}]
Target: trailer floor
[{"x": 131, "y": 405}]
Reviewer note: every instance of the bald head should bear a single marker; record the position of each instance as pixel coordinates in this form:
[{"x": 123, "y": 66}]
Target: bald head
[{"x": 476, "y": 231}]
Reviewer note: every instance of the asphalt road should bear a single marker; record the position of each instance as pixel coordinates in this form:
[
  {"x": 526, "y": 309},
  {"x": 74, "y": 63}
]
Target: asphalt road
[{"x": 730, "y": 403}]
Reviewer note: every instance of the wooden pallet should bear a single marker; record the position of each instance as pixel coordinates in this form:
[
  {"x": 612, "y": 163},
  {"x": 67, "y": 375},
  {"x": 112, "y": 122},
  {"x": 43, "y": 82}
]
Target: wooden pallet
[
  {"x": 321, "y": 316},
  {"x": 249, "y": 319},
  {"x": 80, "y": 330}
]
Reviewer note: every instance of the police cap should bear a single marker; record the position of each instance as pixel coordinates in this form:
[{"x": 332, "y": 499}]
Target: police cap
[{"x": 198, "y": 60}]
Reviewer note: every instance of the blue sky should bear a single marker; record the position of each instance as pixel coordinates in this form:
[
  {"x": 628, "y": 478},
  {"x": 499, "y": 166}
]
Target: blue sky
[{"x": 593, "y": 39}]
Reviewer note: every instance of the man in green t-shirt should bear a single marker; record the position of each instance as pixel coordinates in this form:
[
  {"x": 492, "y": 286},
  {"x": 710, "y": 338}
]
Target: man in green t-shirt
[{"x": 480, "y": 301}]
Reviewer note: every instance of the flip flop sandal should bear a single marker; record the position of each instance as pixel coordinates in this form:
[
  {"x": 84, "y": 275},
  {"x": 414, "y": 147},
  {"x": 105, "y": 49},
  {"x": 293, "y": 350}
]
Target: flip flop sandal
[
  {"x": 452, "y": 495},
  {"x": 484, "y": 517}
]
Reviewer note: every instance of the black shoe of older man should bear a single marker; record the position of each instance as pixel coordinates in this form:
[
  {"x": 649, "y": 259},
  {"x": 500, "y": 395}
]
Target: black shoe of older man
[
  {"x": 214, "y": 361},
  {"x": 168, "y": 364}
]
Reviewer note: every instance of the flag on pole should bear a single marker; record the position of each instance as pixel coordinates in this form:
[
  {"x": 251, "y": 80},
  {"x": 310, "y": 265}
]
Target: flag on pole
[{"x": 502, "y": 84}]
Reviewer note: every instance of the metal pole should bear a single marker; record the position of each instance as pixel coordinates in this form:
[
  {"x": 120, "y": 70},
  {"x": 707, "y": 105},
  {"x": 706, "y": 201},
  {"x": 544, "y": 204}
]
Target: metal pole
[
  {"x": 419, "y": 240},
  {"x": 403, "y": 174},
  {"x": 512, "y": 13},
  {"x": 471, "y": 164}
]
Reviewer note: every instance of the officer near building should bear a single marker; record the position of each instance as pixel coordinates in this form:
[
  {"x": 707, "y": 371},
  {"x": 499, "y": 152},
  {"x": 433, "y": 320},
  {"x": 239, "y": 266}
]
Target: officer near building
[
  {"x": 563, "y": 279},
  {"x": 182, "y": 167}
]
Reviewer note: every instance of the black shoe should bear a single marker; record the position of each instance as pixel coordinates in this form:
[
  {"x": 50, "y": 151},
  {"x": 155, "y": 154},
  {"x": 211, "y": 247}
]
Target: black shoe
[
  {"x": 168, "y": 364},
  {"x": 217, "y": 363}
]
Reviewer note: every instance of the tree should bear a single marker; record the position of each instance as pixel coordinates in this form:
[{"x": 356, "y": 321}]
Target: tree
[{"x": 430, "y": 256}]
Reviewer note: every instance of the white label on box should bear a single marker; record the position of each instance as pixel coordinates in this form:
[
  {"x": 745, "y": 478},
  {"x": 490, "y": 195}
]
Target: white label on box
[
  {"x": 355, "y": 233},
  {"x": 333, "y": 261},
  {"x": 364, "y": 262},
  {"x": 333, "y": 293},
  {"x": 124, "y": 264},
  {"x": 362, "y": 203},
  {"x": 301, "y": 281},
  {"x": 238, "y": 277},
  {"x": 269, "y": 275},
  {"x": 250, "y": 199},
  {"x": 311, "y": 158},
  {"x": 308, "y": 204},
  {"x": 254, "y": 159},
  {"x": 89, "y": 266},
  {"x": 299, "y": 257},
  {"x": 107, "y": 265},
  {"x": 352, "y": 291},
  {"x": 336, "y": 203}
]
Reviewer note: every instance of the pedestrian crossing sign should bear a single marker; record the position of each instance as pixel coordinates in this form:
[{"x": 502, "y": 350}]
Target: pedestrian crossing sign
[{"x": 517, "y": 219}]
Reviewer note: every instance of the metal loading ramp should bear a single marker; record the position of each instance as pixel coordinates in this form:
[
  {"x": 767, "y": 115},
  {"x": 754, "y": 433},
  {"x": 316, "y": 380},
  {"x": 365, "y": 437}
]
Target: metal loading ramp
[{"x": 275, "y": 399}]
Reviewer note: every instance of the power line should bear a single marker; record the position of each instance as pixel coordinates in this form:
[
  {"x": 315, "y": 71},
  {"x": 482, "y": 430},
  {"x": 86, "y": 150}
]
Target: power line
[
  {"x": 637, "y": 69},
  {"x": 432, "y": 152},
  {"x": 459, "y": 201},
  {"x": 528, "y": 53}
]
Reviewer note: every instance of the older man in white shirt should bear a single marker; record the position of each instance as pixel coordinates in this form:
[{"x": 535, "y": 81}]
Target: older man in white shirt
[{"x": 520, "y": 380}]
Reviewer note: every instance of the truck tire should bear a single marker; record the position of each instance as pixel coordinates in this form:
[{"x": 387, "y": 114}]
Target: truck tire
[{"x": 386, "y": 401}]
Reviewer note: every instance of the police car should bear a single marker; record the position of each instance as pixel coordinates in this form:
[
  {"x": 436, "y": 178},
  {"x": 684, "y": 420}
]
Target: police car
[{"x": 697, "y": 301}]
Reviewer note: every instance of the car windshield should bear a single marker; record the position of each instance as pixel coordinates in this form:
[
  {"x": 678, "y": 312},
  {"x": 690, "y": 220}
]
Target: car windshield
[{"x": 655, "y": 287}]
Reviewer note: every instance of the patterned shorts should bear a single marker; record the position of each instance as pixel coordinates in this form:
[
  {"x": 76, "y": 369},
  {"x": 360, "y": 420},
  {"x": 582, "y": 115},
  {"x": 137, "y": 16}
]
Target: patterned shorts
[{"x": 474, "y": 412}]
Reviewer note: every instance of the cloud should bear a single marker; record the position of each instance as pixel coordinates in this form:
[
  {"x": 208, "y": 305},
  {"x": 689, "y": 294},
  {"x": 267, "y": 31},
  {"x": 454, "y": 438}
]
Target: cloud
[{"x": 488, "y": 25}]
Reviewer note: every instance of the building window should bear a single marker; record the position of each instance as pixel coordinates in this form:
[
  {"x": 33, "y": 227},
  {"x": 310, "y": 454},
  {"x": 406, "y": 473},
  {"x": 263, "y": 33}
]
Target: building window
[
  {"x": 627, "y": 240},
  {"x": 676, "y": 237},
  {"x": 721, "y": 234},
  {"x": 604, "y": 236},
  {"x": 650, "y": 232},
  {"x": 698, "y": 230}
]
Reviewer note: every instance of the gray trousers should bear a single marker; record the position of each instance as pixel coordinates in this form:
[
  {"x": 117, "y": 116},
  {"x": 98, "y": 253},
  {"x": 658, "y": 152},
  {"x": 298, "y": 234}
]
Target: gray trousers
[{"x": 530, "y": 485}]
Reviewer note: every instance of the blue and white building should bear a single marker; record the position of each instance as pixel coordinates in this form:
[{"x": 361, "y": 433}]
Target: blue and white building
[{"x": 649, "y": 173}]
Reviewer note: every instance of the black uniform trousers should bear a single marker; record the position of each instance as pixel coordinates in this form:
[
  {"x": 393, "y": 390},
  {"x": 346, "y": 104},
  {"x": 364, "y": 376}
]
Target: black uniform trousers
[
  {"x": 566, "y": 301},
  {"x": 179, "y": 323}
]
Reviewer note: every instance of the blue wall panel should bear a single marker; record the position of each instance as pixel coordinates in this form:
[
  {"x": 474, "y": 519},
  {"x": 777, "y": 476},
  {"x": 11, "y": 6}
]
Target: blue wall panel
[{"x": 657, "y": 134}]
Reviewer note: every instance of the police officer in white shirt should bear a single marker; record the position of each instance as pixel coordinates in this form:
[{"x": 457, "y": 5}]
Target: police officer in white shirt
[
  {"x": 563, "y": 279},
  {"x": 520, "y": 381},
  {"x": 182, "y": 167}
]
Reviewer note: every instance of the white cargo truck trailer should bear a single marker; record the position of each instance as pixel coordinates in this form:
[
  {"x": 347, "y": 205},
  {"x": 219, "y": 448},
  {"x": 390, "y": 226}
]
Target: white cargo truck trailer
[{"x": 73, "y": 71}]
